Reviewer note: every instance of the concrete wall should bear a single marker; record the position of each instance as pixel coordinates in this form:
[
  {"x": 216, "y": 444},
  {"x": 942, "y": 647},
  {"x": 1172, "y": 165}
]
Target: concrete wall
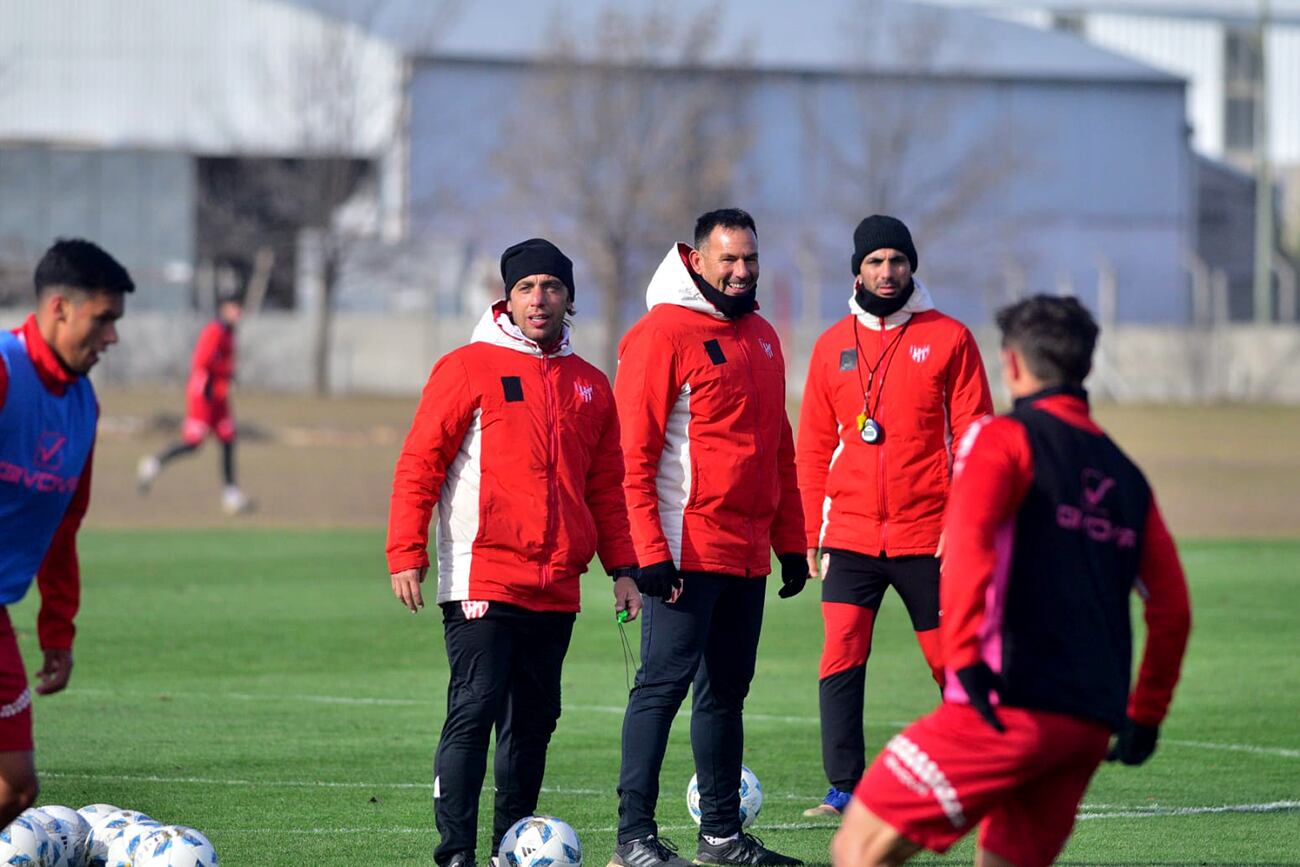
[{"x": 393, "y": 355}]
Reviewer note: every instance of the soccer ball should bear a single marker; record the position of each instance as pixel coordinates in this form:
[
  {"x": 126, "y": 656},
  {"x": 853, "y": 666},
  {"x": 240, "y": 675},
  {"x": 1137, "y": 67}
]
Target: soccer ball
[
  {"x": 540, "y": 841},
  {"x": 751, "y": 797},
  {"x": 59, "y": 832},
  {"x": 25, "y": 842},
  {"x": 105, "y": 831},
  {"x": 74, "y": 831},
  {"x": 92, "y": 813},
  {"x": 175, "y": 846},
  {"x": 122, "y": 848}
]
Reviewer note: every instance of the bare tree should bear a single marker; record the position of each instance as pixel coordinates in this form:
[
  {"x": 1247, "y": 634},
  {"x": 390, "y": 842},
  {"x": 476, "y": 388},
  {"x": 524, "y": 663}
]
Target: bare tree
[
  {"x": 617, "y": 144},
  {"x": 895, "y": 142},
  {"x": 342, "y": 96}
]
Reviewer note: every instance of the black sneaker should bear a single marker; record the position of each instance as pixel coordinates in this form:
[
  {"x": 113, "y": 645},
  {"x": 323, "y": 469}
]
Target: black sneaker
[
  {"x": 649, "y": 851},
  {"x": 461, "y": 859},
  {"x": 745, "y": 850}
]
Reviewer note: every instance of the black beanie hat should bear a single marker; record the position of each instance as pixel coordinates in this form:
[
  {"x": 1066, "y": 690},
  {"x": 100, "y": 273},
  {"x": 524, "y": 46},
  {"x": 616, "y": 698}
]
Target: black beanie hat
[
  {"x": 535, "y": 256},
  {"x": 879, "y": 232}
]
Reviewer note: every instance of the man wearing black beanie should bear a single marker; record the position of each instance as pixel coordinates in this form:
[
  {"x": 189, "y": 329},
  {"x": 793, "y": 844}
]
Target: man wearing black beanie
[
  {"x": 891, "y": 388},
  {"x": 512, "y": 541}
]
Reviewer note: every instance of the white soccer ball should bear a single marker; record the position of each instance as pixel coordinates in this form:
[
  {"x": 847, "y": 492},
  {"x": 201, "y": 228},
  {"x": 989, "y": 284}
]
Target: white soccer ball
[
  {"x": 92, "y": 813},
  {"x": 123, "y": 847},
  {"x": 175, "y": 846},
  {"x": 105, "y": 831},
  {"x": 59, "y": 832},
  {"x": 540, "y": 841},
  {"x": 751, "y": 797},
  {"x": 76, "y": 829},
  {"x": 25, "y": 842}
]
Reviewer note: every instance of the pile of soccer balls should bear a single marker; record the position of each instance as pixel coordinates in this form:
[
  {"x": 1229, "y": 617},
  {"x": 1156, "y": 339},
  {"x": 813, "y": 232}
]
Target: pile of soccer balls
[{"x": 101, "y": 835}]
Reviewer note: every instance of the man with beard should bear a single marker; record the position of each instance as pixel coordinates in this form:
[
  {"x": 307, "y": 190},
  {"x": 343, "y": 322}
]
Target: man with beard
[
  {"x": 890, "y": 388},
  {"x": 515, "y": 443},
  {"x": 711, "y": 492}
]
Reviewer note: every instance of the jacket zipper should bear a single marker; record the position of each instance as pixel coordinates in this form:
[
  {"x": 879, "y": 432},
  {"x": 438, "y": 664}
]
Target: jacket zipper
[
  {"x": 758, "y": 428},
  {"x": 880, "y": 473},
  {"x": 551, "y": 461}
]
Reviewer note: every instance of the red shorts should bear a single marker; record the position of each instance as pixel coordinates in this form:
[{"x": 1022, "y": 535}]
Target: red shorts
[
  {"x": 204, "y": 416},
  {"x": 950, "y": 771},
  {"x": 15, "y": 698}
]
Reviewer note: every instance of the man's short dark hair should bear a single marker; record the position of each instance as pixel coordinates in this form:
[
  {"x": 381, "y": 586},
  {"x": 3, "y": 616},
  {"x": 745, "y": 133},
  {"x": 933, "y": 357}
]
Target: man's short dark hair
[
  {"x": 1055, "y": 335},
  {"x": 79, "y": 264},
  {"x": 727, "y": 218}
]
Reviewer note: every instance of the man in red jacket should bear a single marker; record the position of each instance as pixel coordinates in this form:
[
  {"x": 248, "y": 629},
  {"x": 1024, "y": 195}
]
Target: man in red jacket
[
  {"x": 890, "y": 388},
  {"x": 1050, "y": 527},
  {"x": 515, "y": 442},
  {"x": 48, "y": 415},
  {"x": 212, "y": 370},
  {"x": 711, "y": 493}
]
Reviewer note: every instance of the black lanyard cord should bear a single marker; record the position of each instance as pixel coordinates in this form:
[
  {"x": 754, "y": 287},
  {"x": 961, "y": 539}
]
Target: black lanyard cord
[{"x": 871, "y": 369}]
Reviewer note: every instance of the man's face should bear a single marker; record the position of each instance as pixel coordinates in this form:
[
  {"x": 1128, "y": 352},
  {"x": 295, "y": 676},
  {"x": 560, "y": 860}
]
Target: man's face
[
  {"x": 230, "y": 312},
  {"x": 85, "y": 324},
  {"x": 886, "y": 273},
  {"x": 537, "y": 305},
  {"x": 728, "y": 260}
]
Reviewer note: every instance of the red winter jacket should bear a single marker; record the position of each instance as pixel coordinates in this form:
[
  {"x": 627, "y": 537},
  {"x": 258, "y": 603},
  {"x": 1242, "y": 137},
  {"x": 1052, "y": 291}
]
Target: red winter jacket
[
  {"x": 212, "y": 366},
  {"x": 518, "y": 449},
  {"x": 929, "y": 386},
  {"x": 710, "y": 478}
]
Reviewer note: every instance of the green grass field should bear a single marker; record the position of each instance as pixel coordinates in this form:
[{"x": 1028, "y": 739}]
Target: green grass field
[{"x": 265, "y": 687}]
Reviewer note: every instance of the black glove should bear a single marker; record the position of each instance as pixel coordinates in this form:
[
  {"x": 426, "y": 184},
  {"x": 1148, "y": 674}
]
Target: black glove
[
  {"x": 979, "y": 680},
  {"x": 794, "y": 574},
  {"x": 1134, "y": 744},
  {"x": 658, "y": 579}
]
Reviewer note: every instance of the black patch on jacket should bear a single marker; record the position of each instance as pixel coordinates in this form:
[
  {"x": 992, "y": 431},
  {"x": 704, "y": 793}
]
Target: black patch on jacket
[
  {"x": 513, "y": 387},
  {"x": 848, "y": 359},
  {"x": 715, "y": 352}
]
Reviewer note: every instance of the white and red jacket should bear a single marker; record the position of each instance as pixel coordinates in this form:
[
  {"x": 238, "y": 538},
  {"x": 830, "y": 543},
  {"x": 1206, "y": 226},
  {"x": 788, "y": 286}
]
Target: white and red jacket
[
  {"x": 519, "y": 451},
  {"x": 929, "y": 385},
  {"x": 710, "y": 481}
]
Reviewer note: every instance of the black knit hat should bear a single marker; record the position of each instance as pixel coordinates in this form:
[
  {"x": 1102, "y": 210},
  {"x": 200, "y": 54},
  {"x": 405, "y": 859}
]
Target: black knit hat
[
  {"x": 535, "y": 256},
  {"x": 879, "y": 232}
]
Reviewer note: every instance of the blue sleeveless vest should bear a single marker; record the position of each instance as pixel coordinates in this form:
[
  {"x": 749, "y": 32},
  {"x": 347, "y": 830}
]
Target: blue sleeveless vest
[{"x": 44, "y": 442}]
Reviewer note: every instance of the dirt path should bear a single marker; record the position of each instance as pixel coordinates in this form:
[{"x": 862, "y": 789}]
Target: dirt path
[{"x": 1218, "y": 471}]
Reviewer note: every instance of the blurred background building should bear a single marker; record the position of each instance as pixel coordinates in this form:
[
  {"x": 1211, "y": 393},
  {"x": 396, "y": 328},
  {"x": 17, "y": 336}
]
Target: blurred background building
[{"x": 357, "y": 165}]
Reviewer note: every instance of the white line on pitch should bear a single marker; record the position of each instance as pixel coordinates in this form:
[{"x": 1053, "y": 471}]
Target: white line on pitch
[
  {"x": 1148, "y": 812},
  {"x": 1129, "y": 813},
  {"x": 1281, "y": 752}
]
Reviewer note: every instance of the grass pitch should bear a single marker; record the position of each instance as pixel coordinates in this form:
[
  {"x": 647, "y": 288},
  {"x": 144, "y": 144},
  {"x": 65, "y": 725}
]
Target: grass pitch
[{"x": 265, "y": 687}]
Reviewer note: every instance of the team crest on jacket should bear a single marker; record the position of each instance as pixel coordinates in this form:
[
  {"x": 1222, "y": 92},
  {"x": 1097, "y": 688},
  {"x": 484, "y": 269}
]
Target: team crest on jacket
[
  {"x": 920, "y": 353},
  {"x": 584, "y": 390},
  {"x": 767, "y": 347}
]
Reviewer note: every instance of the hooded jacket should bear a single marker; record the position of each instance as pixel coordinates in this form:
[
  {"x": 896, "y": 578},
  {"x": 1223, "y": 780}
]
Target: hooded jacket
[
  {"x": 710, "y": 475},
  {"x": 518, "y": 449},
  {"x": 929, "y": 386}
]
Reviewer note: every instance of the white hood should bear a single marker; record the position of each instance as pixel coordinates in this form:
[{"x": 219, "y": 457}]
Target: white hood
[
  {"x": 918, "y": 303},
  {"x": 673, "y": 283},
  {"x": 496, "y": 327}
]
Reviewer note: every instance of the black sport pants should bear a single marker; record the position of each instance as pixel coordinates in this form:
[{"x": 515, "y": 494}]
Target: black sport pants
[
  {"x": 505, "y": 672},
  {"x": 707, "y": 638}
]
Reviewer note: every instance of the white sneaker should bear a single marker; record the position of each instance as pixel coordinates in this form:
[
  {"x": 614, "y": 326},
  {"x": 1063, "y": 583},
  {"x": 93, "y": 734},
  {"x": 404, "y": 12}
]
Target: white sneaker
[
  {"x": 146, "y": 472},
  {"x": 233, "y": 502}
]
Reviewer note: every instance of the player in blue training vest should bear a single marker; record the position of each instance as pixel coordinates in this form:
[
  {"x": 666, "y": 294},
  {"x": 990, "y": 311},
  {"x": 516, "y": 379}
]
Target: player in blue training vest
[{"x": 48, "y": 414}]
